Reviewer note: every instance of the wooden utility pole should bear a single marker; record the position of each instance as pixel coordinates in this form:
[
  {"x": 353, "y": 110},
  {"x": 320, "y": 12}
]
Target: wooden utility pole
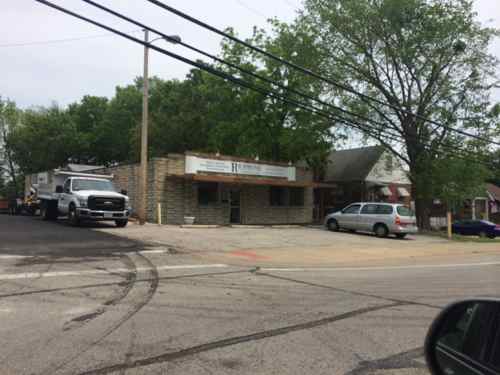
[{"x": 143, "y": 179}]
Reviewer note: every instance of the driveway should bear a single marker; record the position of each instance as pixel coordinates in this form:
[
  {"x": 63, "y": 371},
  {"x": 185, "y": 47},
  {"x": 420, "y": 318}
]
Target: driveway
[{"x": 303, "y": 246}]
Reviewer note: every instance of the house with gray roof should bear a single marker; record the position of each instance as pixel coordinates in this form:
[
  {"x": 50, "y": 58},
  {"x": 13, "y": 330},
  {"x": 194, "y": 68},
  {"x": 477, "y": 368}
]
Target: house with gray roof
[{"x": 362, "y": 174}]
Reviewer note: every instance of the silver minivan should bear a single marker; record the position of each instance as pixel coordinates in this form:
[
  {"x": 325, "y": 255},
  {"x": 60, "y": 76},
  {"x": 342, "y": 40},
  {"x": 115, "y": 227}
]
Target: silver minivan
[{"x": 380, "y": 218}]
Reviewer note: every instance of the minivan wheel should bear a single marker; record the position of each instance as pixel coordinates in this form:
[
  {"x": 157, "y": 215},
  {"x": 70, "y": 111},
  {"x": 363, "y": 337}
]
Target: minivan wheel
[
  {"x": 333, "y": 225},
  {"x": 381, "y": 230}
]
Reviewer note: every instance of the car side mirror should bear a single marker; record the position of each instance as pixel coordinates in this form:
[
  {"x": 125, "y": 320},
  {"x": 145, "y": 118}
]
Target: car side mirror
[
  {"x": 462, "y": 339},
  {"x": 59, "y": 189},
  {"x": 123, "y": 192}
]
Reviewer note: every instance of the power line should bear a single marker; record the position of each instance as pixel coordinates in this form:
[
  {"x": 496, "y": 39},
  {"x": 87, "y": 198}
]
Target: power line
[
  {"x": 262, "y": 78},
  {"x": 225, "y": 76},
  {"x": 310, "y": 72},
  {"x": 57, "y": 41},
  {"x": 231, "y": 65},
  {"x": 253, "y": 10}
]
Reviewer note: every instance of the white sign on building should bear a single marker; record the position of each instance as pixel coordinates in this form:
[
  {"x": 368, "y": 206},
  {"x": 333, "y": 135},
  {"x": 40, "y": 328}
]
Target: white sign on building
[{"x": 195, "y": 164}]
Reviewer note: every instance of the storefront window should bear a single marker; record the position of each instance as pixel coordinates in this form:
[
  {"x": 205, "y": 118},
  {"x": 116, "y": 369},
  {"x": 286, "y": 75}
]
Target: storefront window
[
  {"x": 296, "y": 196},
  {"x": 277, "y": 196},
  {"x": 208, "y": 193}
]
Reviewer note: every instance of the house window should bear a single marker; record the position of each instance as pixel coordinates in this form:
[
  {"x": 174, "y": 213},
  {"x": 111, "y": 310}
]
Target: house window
[
  {"x": 277, "y": 196},
  {"x": 388, "y": 163},
  {"x": 208, "y": 193},
  {"x": 296, "y": 196}
]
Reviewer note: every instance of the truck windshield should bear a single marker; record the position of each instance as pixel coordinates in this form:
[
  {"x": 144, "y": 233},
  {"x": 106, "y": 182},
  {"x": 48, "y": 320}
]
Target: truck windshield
[{"x": 101, "y": 185}]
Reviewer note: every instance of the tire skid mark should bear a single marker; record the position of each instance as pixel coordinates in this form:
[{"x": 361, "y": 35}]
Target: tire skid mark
[
  {"x": 130, "y": 349},
  {"x": 102, "y": 285},
  {"x": 130, "y": 277},
  {"x": 396, "y": 300},
  {"x": 172, "y": 356},
  {"x": 136, "y": 307}
]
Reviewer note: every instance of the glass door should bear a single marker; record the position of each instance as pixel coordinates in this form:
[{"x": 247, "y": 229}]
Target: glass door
[{"x": 235, "y": 202}]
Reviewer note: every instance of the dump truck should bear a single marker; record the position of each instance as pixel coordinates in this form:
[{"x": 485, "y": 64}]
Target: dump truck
[{"x": 80, "y": 196}]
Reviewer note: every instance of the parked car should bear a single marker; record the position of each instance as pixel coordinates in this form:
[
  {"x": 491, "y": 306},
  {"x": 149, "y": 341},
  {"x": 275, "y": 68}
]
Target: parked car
[
  {"x": 380, "y": 218},
  {"x": 480, "y": 228}
]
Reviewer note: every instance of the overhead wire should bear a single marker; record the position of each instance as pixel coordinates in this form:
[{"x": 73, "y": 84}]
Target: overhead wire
[
  {"x": 310, "y": 72},
  {"x": 57, "y": 41},
  {"x": 255, "y": 75},
  {"x": 223, "y": 75}
]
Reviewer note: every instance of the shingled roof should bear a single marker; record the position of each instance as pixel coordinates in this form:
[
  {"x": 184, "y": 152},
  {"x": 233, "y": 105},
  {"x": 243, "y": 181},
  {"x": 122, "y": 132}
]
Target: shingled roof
[
  {"x": 352, "y": 165},
  {"x": 494, "y": 191}
]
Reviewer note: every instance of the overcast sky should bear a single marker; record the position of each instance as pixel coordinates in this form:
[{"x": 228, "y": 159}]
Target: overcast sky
[{"x": 38, "y": 70}]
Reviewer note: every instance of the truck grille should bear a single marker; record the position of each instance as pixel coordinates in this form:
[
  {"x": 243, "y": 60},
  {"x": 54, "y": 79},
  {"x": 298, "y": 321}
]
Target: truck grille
[{"x": 106, "y": 204}]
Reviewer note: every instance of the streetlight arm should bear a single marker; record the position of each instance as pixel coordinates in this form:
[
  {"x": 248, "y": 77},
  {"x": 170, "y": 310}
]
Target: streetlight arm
[{"x": 174, "y": 39}]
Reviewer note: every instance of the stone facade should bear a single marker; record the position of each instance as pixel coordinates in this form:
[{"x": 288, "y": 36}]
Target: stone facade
[{"x": 178, "y": 196}]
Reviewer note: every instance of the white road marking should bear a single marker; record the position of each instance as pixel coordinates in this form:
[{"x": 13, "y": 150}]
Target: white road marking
[
  {"x": 312, "y": 269},
  {"x": 36, "y": 275},
  {"x": 153, "y": 252},
  {"x": 15, "y": 256},
  {"x": 159, "y": 251}
]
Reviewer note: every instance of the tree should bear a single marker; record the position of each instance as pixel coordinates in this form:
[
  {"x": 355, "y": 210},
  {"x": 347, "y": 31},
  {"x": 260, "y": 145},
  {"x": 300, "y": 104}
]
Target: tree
[
  {"x": 117, "y": 135},
  {"x": 180, "y": 113},
  {"x": 269, "y": 127},
  {"x": 88, "y": 116},
  {"x": 9, "y": 120},
  {"x": 45, "y": 138},
  {"x": 425, "y": 58}
]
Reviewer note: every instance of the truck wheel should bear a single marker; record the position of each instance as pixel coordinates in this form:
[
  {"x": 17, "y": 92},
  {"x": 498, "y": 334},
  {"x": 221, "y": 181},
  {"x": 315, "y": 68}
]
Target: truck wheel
[
  {"x": 121, "y": 223},
  {"x": 73, "y": 217},
  {"x": 46, "y": 211}
]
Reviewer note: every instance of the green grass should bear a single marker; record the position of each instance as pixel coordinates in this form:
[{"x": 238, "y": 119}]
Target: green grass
[{"x": 460, "y": 238}]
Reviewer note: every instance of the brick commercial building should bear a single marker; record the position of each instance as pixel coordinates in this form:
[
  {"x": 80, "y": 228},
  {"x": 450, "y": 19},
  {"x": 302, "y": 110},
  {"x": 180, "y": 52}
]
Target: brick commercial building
[{"x": 215, "y": 189}]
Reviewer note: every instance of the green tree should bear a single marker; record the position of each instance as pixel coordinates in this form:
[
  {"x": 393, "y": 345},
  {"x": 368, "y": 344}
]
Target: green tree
[
  {"x": 426, "y": 58},
  {"x": 88, "y": 117},
  {"x": 116, "y": 137},
  {"x": 45, "y": 138},
  {"x": 180, "y": 114},
  {"x": 269, "y": 127},
  {"x": 9, "y": 120}
]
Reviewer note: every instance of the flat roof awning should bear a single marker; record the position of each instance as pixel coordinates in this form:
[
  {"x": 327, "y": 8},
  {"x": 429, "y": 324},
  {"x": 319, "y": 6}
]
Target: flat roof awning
[{"x": 245, "y": 180}]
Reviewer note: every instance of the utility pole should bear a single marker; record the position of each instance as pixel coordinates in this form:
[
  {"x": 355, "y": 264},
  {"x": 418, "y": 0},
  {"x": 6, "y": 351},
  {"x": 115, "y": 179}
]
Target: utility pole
[
  {"x": 143, "y": 174},
  {"x": 143, "y": 170}
]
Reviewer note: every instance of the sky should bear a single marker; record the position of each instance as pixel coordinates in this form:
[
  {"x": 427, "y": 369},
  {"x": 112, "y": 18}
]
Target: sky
[{"x": 42, "y": 63}]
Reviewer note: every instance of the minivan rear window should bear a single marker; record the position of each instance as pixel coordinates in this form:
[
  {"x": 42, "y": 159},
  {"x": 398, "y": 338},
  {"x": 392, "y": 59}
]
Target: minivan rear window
[{"x": 405, "y": 211}]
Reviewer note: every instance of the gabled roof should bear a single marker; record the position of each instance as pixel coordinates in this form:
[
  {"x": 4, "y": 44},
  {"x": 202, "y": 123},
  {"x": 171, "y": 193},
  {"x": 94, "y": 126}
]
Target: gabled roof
[
  {"x": 494, "y": 191},
  {"x": 81, "y": 167},
  {"x": 352, "y": 165}
]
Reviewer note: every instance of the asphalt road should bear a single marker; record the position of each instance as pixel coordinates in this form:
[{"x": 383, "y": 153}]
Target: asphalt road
[{"x": 79, "y": 301}]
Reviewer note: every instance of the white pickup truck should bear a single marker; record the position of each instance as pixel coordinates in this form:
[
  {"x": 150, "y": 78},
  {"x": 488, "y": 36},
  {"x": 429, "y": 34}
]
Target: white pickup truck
[{"x": 81, "y": 196}]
